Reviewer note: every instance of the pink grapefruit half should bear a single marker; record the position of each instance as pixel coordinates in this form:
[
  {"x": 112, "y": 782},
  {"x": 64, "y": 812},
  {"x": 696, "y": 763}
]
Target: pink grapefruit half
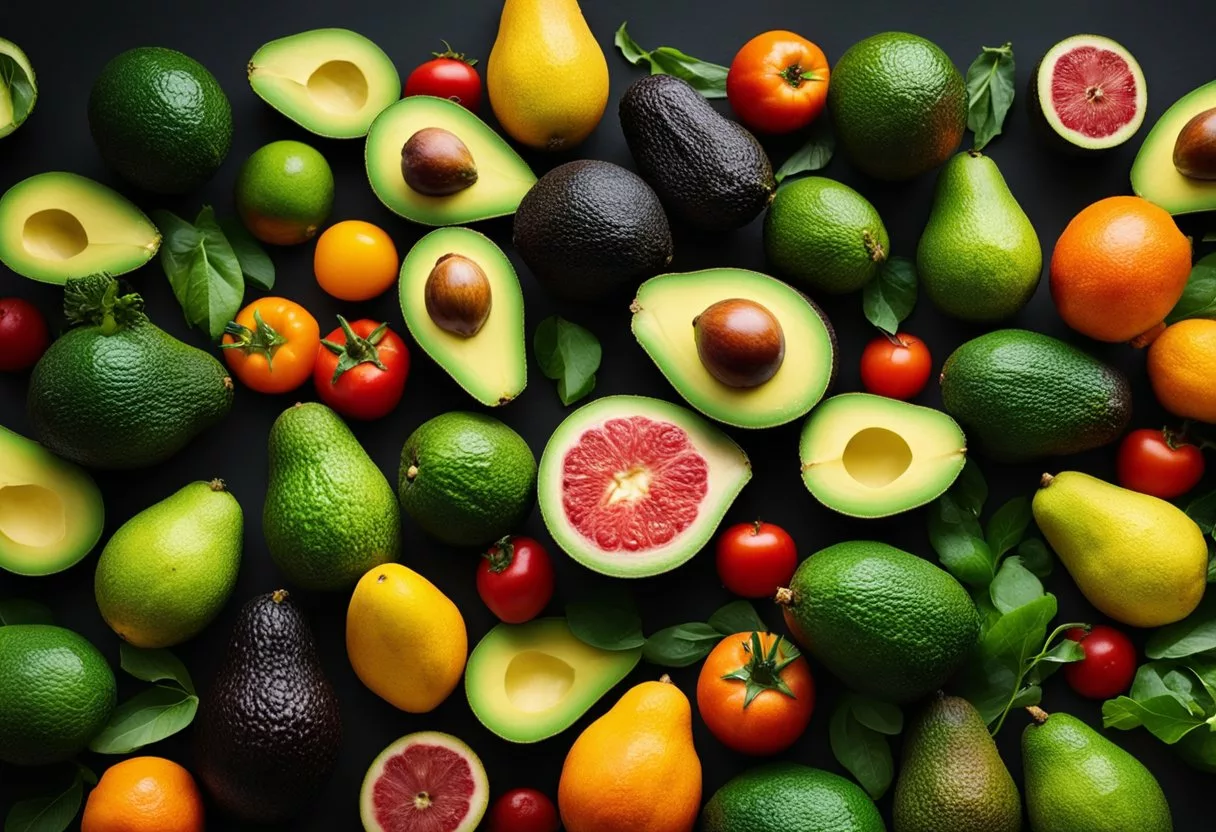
[
  {"x": 424, "y": 782},
  {"x": 1090, "y": 92}
]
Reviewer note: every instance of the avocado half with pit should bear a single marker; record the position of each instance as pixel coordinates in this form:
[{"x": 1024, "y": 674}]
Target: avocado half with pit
[
  {"x": 501, "y": 180},
  {"x": 870, "y": 456},
  {"x": 666, "y": 310},
  {"x": 1154, "y": 175},
  {"x": 528, "y": 682},
  {"x": 488, "y": 360},
  {"x": 631, "y": 486},
  {"x": 332, "y": 82},
  {"x": 56, "y": 226}
]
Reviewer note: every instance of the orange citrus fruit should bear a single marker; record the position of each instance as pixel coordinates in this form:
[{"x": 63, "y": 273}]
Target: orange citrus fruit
[
  {"x": 1119, "y": 268},
  {"x": 144, "y": 794},
  {"x": 355, "y": 260},
  {"x": 1182, "y": 369}
]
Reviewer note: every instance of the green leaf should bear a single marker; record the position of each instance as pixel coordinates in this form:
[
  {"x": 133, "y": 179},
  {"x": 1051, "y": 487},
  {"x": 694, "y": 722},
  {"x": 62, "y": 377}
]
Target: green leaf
[
  {"x": 1150, "y": 681},
  {"x": 1019, "y": 634},
  {"x": 1065, "y": 651},
  {"x": 970, "y": 490},
  {"x": 255, "y": 263},
  {"x": 609, "y": 621},
  {"x": 955, "y": 535},
  {"x": 52, "y": 813},
  {"x": 146, "y": 718},
  {"x": 1036, "y": 556},
  {"x": 1199, "y": 297},
  {"x": 1014, "y": 586},
  {"x": 633, "y": 53},
  {"x": 1203, "y": 511},
  {"x": 1212, "y": 561},
  {"x": 24, "y": 611},
  {"x": 1007, "y": 526},
  {"x": 568, "y": 354},
  {"x": 1027, "y": 696},
  {"x": 812, "y": 156},
  {"x": 22, "y": 91},
  {"x": 1165, "y": 717},
  {"x": 890, "y": 297},
  {"x": 877, "y": 715},
  {"x": 154, "y": 666},
  {"x": 990, "y": 90},
  {"x": 1209, "y": 237},
  {"x": 1194, "y": 634},
  {"x": 706, "y": 78},
  {"x": 994, "y": 676},
  {"x": 202, "y": 269},
  {"x": 737, "y": 617},
  {"x": 681, "y": 645},
  {"x": 862, "y": 750}
]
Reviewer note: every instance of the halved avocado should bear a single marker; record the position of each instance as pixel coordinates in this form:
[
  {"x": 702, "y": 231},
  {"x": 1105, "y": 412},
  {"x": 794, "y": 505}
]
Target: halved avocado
[
  {"x": 631, "y": 486},
  {"x": 51, "y": 512},
  {"x": 18, "y": 87},
  {"x": 1154, "y": 176},
  {"x": 528, "y": 682},
  {"x": 55, "y": 226},
  {"x": 503, "y": 177},
  {"x": 663, "y": 314},
  {"x": 492, "y": 364},
  {"x": 332, "y": 82},
  {"x": 870, "y": 456}
]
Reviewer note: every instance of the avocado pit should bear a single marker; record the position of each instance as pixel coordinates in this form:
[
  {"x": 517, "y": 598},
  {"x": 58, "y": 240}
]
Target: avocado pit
[
  {"x": 1195, "y": 147},
  {"x": 457, "y": 295},
  {"x": 435, "y": 162},
  {"x": 740, "y": 342}
]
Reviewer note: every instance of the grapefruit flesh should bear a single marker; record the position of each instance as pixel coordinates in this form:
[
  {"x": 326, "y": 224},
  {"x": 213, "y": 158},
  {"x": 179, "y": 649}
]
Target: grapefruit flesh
[
  {"x": 428, "y": 782},
  {"x": 1094, "y": 91}
]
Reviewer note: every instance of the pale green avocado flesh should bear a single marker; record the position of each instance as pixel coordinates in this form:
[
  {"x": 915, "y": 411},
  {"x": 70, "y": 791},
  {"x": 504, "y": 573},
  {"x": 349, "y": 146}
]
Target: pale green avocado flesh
[
  {"x": 528, "y": 682},
  {"x": 1154, "y": 176},
  {"x": 663, "y": 314},
  {"x": 870, "y": 456}
]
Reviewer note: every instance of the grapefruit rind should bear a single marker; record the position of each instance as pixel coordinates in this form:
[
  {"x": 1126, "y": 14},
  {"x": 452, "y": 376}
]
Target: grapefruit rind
[
  {"x": 478, "y": 802},
  {"x": 728, "y": 471},
  {"x": 1041, "y": 93}
]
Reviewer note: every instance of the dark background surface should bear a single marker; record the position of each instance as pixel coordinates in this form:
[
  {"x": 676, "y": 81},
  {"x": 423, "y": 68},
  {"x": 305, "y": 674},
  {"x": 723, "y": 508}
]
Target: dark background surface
[{"x": 69, "y": 43}]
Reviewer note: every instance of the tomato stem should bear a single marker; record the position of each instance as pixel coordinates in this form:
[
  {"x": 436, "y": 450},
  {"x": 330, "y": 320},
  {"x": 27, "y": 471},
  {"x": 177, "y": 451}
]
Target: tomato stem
[
  {"x": 451, "y": 54},
  {"x": 262, "y": 339},
  {"x": 793, "y": 75},
  {"x": 500, "y": 555},
  {"x": 356, "y": 350},
  {"x": 763, "y": 669}
]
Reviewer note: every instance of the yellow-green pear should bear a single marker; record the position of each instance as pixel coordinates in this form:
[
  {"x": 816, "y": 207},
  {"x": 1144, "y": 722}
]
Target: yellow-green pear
[{"x": 1136, "y": 558}]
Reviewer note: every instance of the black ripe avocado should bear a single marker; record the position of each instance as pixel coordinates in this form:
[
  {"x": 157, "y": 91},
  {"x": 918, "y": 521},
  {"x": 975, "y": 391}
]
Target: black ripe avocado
[
  {"x": 710, "y": 172},
  {"x": 588, "y": 228},
  {"x": 268, "y": 732},
  {"x": 1154, "y": 174}
]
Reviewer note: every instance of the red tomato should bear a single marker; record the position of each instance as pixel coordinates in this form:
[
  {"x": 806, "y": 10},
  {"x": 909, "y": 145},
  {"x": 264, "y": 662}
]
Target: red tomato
[
  {"x": 897, "y": 366},
  {"x": 23, "y": 335},
  {"x": 515, "y": 579},
  {"x": 450, "y": 75},
  {"x": 1159, "y": 462},
  {"x": 523, "y": 810},
  {"x": 756, "y": 559},
  {"x": 1109, "y": 664},
  {"x": 778, "y": 83},
  {"x": 361, "y": 369}
]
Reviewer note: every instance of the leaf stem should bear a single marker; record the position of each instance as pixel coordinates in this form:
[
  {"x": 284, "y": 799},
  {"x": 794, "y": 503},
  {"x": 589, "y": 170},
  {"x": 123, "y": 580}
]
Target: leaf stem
[{"x": 1029, "y": 666}]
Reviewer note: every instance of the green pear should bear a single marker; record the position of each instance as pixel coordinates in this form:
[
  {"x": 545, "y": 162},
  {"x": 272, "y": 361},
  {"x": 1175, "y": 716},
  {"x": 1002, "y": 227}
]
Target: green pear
[
  {"x": 169, "y": 570},
  {"x": 1079, "y": 781},
  {"x": 1138, "y": 559},
  {"x": 979, "y": 257}
]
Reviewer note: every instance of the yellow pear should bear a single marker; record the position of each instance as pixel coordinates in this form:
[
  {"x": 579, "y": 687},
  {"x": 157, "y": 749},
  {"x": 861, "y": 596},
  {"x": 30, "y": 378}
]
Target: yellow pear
[
  {"x": 406, "y": 640},
  {"x": 547, "y": 76},
  {"x": 1136, "y": 558}
]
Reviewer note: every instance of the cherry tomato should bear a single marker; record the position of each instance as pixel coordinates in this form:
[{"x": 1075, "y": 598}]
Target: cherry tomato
[
  {"x": 1109, "y": 664},
  {"x": 755, "y": 693},
  {"x": 449, "y": 75},
  {"x": 272, "y": 345},
  {"x": 361, "y": 369},
  {"x": 756, "y": 559},
  {"x": 355, "y": 260},
  {"x": 23, "y": 335},
  {"x": 515, "y": 579},
  {"x": 523, "y": 810},
  {"x": 1160, "y": 463},
  {"x": 778, "y": 82},
  {"x": 897, "y": 366}
]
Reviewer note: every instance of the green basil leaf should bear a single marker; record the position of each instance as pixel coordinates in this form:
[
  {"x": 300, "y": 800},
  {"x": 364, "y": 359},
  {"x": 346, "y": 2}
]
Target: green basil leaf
[
  {"x": 955, "y": 535},
  {"x": 568, "y": 354},
  {"x": 1204, "y": 668},
  {"x": 202, "y": 269},
  {"x": 255, "y": 263},
  {"x": 984, "y": 606},
  {"x": 610, "y": 621},
  {"x": 1036, "y": 556},
  {"x": 877, "y": 715},
  {"x": 682, "y": 645},
  {"x": 1194, "y": 634},
  {"x": 890, "y": 297},
  {"x": 146, "y": 718},
  {"x": 633, "y": 53},
  {"x": 1065, "y": 651},
  {"x": 990, "y": 89},
  {"x": 1187, "y": 689},
  {"x": 994, "y": 675},
  {"x": 970, "y": 490},
  {"x": 706, "y": 78},
  {"x": 863, "y": 751},
  {"x": 1199, "y": 297},
  {"x": 812, "y": 156},
  {"x": 1019, "y": 634},
  {"x": 737, "y": 617},
  {"x": 1203, "y": 511},
  {"x": 24, "y": 611},
  {"x": 1027, "y": 696},
  {"x": 1007, "y": 526},
  {"x": 1014, "y": 586},
  {"x": 1150, "y": 681},
  {"x": 1165, "y": 717},
  {"x": 52, "y": 813},
  {"x": 21, "y": 90},
  {"x": 154, "y": 665}
]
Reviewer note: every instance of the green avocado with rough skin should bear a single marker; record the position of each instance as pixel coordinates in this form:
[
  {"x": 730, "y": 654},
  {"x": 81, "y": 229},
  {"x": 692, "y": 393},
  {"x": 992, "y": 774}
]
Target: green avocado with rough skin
[{"x": 788, "y": 797}]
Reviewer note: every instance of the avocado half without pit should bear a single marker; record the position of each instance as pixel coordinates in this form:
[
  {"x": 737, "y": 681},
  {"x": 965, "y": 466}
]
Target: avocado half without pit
[
  {"x": 740, "y": 342},
  {"x": 457, "y": 295},
  {"x": 435, "y": 162}
]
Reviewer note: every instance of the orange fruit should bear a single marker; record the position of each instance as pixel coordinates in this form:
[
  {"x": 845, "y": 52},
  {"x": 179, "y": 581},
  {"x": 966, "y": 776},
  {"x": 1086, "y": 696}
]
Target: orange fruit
[
  {"x": 144, "y": 794},
  {"x": 355, "y": 260},
  {"x": 1119, "y": 268},
  {"x": 1182, "y": 369}
]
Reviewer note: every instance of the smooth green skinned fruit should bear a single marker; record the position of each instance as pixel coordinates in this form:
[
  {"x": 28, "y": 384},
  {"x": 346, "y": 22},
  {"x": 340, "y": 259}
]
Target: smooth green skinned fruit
[
  {"x": 1079, "y": 781},
  {"x": 979, "y": 257},
  {"x": 330, "y": 515},
  {"x": 284, "y": 193},
  {"x": 1154, "y": 176},
  {"x": 528, "y": 682},
  {"x": 168, "y": 571},
  {"x": 952, "y": 776},
  {"x": 783, "y": 797}
]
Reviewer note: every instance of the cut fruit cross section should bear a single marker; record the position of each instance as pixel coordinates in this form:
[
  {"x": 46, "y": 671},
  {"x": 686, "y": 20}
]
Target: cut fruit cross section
[{"x": 425, "y": 782}]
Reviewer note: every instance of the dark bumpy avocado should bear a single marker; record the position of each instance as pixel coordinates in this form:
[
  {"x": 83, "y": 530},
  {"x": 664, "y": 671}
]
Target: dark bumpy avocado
[
  {"x": 588, "y": 228},
  {"x": 268, "y": 733},
  {"x": 709, "y": 171}
]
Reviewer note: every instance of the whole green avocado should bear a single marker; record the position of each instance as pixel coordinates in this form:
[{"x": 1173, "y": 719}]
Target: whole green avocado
[{"x": 788, "y": 797}]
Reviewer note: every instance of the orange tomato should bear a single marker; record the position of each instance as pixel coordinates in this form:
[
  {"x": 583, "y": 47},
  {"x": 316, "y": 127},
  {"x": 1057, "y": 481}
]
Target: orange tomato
[
  {"x": 755, "y": 693},
  {"x": 272, "y": 345},
  {"x": 355, "y": 260},
  {"x": 778, "y": 82},
  {"x": 144, "y": 794},
  {"x": 1182, "y": 369}
]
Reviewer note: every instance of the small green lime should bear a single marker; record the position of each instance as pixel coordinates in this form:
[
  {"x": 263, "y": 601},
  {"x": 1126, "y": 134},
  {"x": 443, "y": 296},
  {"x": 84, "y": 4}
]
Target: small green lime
[{"x": 284, "y": 193}]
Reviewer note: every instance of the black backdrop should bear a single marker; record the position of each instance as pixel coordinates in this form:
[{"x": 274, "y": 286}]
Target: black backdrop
[{"x": 68, "y": 44}]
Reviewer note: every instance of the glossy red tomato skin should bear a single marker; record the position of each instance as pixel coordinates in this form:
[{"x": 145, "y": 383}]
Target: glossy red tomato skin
[
  {"x": 364, "y": 392},
  {"x": 1156, "y": 462},
  {"x": 515, "y": 579},
  {"x": 23, "y": 335},
  {"x": 1109, "y": 664},
  {"x": 756, "y": 559},
  {"x": 778, "y": 82},
  {"x": 897, "y": 368},
  {"x": 523, "y": 810},
  {"x": 449, "y": 78}
]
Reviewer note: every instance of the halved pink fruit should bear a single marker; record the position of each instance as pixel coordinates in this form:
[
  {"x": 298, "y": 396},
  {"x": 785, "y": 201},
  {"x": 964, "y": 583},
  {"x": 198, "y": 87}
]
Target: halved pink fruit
[
  {"x": 1090, "y": 92},
  {"x": 424, "y": 782}
]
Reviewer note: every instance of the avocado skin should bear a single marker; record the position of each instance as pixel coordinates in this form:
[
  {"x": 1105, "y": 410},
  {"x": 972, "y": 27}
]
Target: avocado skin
[
  {"x": 268, "y": 734},
  {"x": 588, "y": 228},
  {"x": 709, "y": 172}
]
